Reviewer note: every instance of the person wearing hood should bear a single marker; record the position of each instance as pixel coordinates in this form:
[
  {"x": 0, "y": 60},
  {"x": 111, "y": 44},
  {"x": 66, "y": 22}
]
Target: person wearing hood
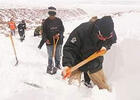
[{"x": 85, "y": 40}]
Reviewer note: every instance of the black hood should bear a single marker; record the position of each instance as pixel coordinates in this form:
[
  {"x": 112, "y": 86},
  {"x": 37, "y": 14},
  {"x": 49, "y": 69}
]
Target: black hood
[{"x": 105, "y": 25}]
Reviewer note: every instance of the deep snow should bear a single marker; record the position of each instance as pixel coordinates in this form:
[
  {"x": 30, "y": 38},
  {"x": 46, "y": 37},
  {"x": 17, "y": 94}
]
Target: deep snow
[
  {"x": 121, "y": 67},
  {"x": 121, "y": 64}
]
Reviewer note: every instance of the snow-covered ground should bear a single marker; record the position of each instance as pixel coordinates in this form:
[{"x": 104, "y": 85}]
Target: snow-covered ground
[
  {"x": 121, "y": 66},
  {"x": 121, "y": 63}
]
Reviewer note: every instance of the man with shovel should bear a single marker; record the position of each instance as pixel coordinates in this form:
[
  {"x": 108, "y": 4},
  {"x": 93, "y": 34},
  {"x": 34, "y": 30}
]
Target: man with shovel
[
  {"x": 52, "y": 35},
  {"x": 84, "y": 49}
]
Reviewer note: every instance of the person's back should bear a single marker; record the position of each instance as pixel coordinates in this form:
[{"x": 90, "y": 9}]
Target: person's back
[
  {"x": 22, "y": 26},
  {"x": 21, "y": 30},
  {"x": 12, "y": 25}
]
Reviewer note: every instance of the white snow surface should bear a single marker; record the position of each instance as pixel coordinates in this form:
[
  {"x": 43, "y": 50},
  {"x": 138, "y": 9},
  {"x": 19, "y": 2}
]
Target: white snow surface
[
  {"x": 121, "y": 64},
  {"x": 63, "y": 3}
]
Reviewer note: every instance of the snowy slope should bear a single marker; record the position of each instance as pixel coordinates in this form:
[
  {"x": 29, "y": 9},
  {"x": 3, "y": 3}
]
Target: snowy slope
[
  {"x": 63, "y": 3},
  {"x": 33, "y": 16},
  {"x": 121, "y": 66},
  {"x": 121, "y": 63},
  {"x": 31, "y": 68}
]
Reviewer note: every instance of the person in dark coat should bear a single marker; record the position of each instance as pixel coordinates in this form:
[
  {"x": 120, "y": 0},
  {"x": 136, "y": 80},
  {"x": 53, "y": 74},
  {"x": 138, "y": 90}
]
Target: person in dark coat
[
  {"x": 21, "y": 30},
  {"x": 85, "y": 40},
  {"x": 39, "y": 29},
  {"x": 86, "y": 76},
  {"x": 53, "y": 29}
]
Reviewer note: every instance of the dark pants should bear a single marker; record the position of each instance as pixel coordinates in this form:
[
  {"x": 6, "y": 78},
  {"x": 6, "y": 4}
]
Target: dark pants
[
  {"x": 86, "y": 78},
  {"x": 22, "y": 34},
  {"x": 57, "y": 57}
]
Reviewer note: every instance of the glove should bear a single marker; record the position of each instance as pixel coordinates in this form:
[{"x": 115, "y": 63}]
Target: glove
[
  {"x": 103, "y": 48},
  {"x": 56, "y": 36},
  {"x": 107, "y": 44},
  {"x": 48, "y": 42},
  {"x": 39, "y": 47},
  {"x": 66, "y": 72}
]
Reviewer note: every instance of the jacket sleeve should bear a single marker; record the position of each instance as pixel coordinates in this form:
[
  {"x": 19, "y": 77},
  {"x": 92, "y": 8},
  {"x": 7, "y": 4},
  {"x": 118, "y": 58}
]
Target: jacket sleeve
[
  {"x": 41, "y": 44},
  {"x": 44, "y": 35},
  {"x": 71, "y": 50},
  {"x": 61, "y": 27},
  {"x": 45, "y": 32}
]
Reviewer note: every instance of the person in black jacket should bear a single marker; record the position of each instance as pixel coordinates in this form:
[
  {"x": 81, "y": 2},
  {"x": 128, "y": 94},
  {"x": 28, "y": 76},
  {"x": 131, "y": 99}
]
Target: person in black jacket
[
  {"x": 85, "y": 40},
  {"x": 21, "y": 30},
  {"x": 52, "y": 31},
  {"x": 86, "y": 76}
]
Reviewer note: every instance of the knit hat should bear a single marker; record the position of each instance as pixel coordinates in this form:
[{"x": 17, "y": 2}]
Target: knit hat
[
  {"x": 52, "y": 11},
  {"x": 106, "y": 26}
]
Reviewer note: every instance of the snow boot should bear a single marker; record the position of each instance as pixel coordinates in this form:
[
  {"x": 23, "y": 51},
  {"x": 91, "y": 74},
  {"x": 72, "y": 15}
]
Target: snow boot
[
  {"x": 49, "y": 69},
  {"x": 89, "y": 85},
  {"x": 58, "y": 67},
  {"x": 54, "y": 70},
  {"x": 21, "y": 39}
]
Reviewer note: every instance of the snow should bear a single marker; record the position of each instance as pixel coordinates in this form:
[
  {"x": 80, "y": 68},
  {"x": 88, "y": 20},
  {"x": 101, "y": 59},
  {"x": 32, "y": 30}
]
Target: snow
[{"x": 121, "y": 63}]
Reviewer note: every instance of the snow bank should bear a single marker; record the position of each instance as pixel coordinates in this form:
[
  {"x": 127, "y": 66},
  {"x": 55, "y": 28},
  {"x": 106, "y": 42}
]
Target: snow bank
[
  {"x": 121, "y": 66},
  {"x": 122, "y": 62}
]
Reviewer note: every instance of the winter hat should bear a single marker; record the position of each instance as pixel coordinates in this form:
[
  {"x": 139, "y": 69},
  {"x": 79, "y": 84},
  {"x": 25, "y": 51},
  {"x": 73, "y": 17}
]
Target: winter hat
[
  {"x": 106, "y": 26},
  {"x": 52, "y": 11}
]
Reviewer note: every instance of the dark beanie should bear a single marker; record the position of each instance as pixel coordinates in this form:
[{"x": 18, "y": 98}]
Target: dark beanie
[
  {"x": 52, "y": 11},
  {"x": 106, "y": 25}
]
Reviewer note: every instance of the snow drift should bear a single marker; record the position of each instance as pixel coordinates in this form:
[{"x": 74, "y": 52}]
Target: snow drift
[{"x": 121, "y": 65}]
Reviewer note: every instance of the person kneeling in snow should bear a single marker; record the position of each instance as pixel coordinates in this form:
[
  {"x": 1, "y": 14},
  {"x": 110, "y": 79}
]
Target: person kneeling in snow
[
  {"x": 85, "y": 40},
  {"x": 21, "y": 30}
]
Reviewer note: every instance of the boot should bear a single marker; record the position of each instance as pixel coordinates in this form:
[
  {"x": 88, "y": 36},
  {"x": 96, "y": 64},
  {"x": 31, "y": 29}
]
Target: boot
[
  {"x": 87, "y": 80},
  {"x": 58, "y": 66},
  {"x": 89, "y": 85},
  {"x": 49, "y": 69},
  {"x": 54, "y": 70}
]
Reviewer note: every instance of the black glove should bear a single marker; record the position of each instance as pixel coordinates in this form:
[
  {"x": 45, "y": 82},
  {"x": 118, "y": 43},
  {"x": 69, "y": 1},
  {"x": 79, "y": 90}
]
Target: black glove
[
  {"x": 107, "y": 45},
  {"x": 41, "y": 44},
  {"x": 39, "y": 47}
]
